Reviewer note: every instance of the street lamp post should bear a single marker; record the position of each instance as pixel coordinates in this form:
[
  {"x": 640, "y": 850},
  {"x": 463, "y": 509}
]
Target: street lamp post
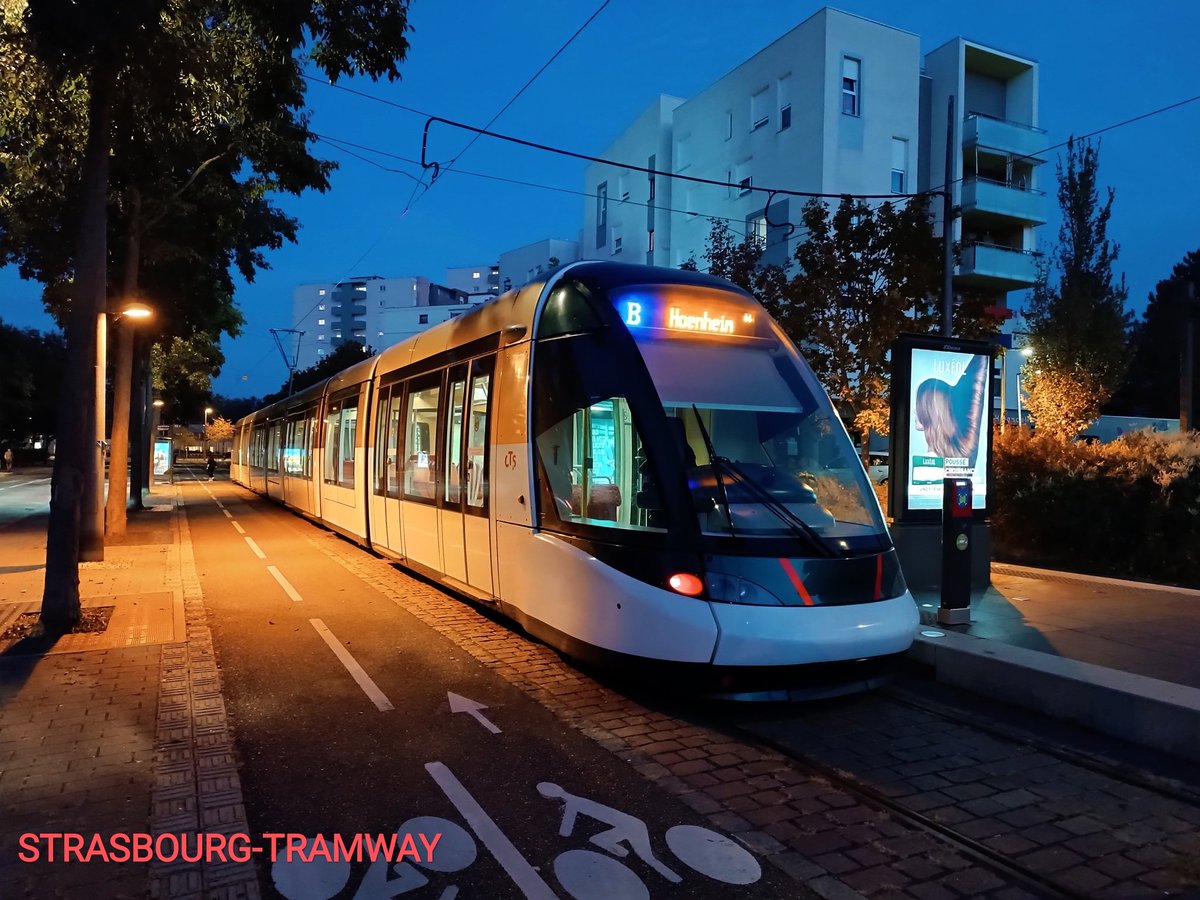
[
  {"x": 113, "y": 513},
  {"x": 1026, "y": 352}
]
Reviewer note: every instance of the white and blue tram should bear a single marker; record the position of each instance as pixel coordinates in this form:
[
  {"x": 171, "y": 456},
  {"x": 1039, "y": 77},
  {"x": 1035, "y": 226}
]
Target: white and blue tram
[{"x": 633, "y": 463}]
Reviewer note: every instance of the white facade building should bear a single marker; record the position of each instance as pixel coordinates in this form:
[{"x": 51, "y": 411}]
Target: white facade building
[
  {"x": 478, "y": 282},
  {"x": 839, "y": 104},
  {"x": 370, "y": 310},
  {"x": 524, "y": 264}
]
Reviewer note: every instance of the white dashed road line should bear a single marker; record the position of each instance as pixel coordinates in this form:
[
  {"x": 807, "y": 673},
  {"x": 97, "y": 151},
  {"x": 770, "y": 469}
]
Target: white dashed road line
[
  {"x": 228, "y": 514},
  {"x": 238, "y": 528},
  {"x": 253, "y": 546},
  {"x": 285, "y": 584},
  {"x": 370, "y": 688}
]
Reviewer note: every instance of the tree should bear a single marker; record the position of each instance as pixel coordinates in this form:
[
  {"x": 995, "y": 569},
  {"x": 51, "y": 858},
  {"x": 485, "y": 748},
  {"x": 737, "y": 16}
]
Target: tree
[
  {"x": 218, "y": 430},
  {"x": 1151, "y": 387},
  {"x": 343, "y": 357},
  {"x": 89, "y": 46},
  {"x": 1078, "y": 326}
]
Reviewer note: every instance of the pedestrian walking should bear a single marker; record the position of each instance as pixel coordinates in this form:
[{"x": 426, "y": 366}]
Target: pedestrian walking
[
  {"x": 212, "y": 466},
  {"x": 8, "y": 459}
]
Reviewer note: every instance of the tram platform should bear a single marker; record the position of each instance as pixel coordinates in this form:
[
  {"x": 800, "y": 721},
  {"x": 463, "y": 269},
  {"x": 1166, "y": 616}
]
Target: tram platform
[{"x": 1112, "y": 655}]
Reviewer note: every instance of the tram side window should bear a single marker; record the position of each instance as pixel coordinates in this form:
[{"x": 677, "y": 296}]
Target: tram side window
[
  {"x": 295, "y": 447},
  {"x": 595, "y": 467},
  {"x": 381, "y": 455},
  {"x": 273, "y": 447},
  {"x": 477, "y": 440},
  {"x": 341, "y": 423},
  {"x": 420, "y": 468},
  {"x": 257, "y": 446},
  {"x": 454, "y": 436},
  {"x": 393, "y": 442}
]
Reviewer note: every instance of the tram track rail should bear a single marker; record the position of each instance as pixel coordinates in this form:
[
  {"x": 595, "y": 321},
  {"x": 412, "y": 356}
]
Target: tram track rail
[{"x": 1002, "y": 864}]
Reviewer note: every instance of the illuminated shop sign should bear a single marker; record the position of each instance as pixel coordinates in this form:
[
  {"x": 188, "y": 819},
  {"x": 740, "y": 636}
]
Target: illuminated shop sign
[{"x": 684, "y": 314}]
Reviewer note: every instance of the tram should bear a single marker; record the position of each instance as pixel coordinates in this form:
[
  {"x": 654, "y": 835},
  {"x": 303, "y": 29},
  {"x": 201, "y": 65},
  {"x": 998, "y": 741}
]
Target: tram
[{"x": 635, "y": 464}]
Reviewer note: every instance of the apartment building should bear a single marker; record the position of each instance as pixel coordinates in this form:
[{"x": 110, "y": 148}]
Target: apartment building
[
  {"x": 370, "y": 310},
  {"x": 839, "y": 104}
]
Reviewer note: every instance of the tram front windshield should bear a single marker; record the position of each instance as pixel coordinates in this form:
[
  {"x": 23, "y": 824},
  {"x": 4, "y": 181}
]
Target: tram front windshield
[{"x": 762, "y": 449}]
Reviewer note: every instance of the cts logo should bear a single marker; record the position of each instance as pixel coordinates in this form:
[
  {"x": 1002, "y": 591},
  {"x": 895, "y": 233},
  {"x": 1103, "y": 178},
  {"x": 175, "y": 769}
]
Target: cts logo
[{"x": 633, "y": 313}]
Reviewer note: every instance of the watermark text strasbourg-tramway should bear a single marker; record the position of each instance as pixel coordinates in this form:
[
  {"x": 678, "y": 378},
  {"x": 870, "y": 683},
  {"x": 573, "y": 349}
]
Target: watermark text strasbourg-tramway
[{"x": 215, "y": 847}]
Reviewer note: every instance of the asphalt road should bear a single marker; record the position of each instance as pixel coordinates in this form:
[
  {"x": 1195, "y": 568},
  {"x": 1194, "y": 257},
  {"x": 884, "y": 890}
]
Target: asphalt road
[
  {"x": 340, "y": 703},
  {"x": 23, "y": 494}
]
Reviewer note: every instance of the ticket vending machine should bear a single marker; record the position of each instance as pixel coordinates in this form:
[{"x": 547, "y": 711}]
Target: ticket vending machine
[{"x": 955, "y": 607}]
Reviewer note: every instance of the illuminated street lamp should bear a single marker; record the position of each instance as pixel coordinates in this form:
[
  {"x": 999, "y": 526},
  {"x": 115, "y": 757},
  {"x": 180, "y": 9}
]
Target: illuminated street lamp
[
  {"x": 208, "y": 411},
  {"x": 99, "y": 515}
]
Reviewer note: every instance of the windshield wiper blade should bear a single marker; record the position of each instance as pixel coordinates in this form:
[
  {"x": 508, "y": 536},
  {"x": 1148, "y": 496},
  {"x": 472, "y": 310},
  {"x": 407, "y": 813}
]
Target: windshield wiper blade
[
  {"x": 712, "y": 456},
  {"x": 789, "y": 518}
]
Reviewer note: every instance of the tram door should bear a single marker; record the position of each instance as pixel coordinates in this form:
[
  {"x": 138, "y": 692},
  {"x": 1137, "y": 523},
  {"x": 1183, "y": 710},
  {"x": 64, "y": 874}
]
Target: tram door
[
  {"x": 465, "y": 530},
  {"x": 274, "y": 450}
]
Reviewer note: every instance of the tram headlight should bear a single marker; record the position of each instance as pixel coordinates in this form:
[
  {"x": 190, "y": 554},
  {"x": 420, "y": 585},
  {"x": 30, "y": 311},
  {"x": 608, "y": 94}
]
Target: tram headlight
[
  {"x": 733, "y": 589},
  {"x": 686, "y": 583}
]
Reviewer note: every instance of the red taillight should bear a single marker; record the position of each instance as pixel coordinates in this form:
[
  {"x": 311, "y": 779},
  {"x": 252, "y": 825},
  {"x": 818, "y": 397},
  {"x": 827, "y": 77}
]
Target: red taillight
[{"x": 686, "y": 583}]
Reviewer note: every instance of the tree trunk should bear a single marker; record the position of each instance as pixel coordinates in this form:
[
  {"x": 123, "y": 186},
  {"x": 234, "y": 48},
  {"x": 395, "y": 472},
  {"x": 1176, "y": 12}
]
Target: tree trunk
[
  {"x": 118, "y": 459},
  {"x": 77, "y": 406},
  {"x": 137, "y": 439}
]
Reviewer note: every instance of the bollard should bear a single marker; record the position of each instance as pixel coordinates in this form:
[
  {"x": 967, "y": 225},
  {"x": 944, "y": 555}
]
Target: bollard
[{"x": 955, "y": 608}]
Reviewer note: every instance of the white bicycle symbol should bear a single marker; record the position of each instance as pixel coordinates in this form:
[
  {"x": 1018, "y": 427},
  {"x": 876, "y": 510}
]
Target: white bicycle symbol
[{"x": 582, "y": 874}]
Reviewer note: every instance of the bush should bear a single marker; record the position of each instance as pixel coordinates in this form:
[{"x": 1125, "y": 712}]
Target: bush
[{"x": 1130, "y": 508}]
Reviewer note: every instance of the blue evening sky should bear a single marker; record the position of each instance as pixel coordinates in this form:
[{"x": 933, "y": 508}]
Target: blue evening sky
[{"x": 1102, "y": 61}]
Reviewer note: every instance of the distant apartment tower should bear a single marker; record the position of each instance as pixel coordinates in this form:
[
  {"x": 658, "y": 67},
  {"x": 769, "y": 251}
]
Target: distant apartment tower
[
  {"x": 533, "y": 261},
  {"x": 370, "y": 310},
  {"x": 478, "y": 282},
  {"x": 839, "y": 104}
]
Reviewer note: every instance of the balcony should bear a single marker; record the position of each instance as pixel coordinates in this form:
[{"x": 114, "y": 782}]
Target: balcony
[
  {"x": 987, "y": 198},
  {"x": 1007, "y": 137},
  {"x": 997, "y": 268}
]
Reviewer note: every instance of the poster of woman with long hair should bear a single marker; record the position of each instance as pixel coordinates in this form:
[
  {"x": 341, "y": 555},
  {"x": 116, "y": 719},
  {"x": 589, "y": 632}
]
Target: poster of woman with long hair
[{"x": 949, "y": 423}]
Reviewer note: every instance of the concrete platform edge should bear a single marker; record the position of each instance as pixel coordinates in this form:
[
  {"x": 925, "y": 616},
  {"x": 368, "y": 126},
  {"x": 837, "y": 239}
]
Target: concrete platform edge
[{"x": 1134, "y": 708}]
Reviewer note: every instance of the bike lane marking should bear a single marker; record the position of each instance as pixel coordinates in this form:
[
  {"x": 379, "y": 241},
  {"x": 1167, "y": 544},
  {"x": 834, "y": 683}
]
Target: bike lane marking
[
  {"x": 509, "y": 857},
  {"x": 364, "y": 681},
  {"x": 285, "y": 584}
]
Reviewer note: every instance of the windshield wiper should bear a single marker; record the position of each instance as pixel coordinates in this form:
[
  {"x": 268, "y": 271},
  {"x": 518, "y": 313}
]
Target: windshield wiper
[
  {"x": 712, "y": 456},
  {"x": 789, "y": 518}
]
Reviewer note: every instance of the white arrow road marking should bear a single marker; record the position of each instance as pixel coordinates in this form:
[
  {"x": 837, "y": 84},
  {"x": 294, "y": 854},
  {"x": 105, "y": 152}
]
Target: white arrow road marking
[
  {"x": 370, "y": 688},
  {"x": 518, "y": 868},
  {"x": 472, "y": 708}
]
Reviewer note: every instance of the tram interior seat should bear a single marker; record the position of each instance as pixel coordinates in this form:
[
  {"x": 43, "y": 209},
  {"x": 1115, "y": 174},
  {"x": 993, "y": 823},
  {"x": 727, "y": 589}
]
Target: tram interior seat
[
  {"x": 422, "y": 477},
  {"x": 603, "y": 501}
]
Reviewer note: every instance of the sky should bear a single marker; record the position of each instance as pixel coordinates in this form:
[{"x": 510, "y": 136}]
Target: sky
[{"x": 1102, "y": 62}]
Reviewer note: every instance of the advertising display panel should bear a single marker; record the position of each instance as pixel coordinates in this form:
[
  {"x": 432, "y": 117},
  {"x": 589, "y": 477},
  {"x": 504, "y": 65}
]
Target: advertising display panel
[
  {"x": 163, "y": 462},
  {"x": 941, "y": 422}
]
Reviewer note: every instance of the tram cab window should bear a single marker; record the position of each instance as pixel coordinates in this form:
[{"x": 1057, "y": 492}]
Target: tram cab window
[
  {"x": 421, "y": 437},
  {"x": 594, "y": 464}
]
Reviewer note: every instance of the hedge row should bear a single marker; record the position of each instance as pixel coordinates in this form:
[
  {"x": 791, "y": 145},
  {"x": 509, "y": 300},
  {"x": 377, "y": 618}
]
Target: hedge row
[{"x": 1130, "y": 508}]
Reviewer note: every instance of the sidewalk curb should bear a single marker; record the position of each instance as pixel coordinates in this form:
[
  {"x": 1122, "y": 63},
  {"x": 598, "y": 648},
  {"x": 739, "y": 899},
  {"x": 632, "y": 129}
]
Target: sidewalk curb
[
  {"x": 1131, "y": 707},
  {"x": 196, "y": 783},
  {"x": 1020, "y": 571}
]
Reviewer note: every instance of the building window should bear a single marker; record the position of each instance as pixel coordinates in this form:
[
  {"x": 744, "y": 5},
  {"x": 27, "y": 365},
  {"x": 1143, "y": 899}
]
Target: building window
[
  {"x": 742, "y": 176},
  {"x": 320, "y": 321},
  {"x": 601, "y": 213},
  {"x": 423, "y": 319},
  {"x": 851, "y": 84},
  {"x": 682, "y": 154},
  {"x": 728, "y": 125},
  {"x": 759, "y": 114},
  {"x": 321, "y": 306},
  {"x": 783, "y": 98},
  {"x": 475, "y": 275},
  {"x": 623, "y": 187},
  {"x": 321, "y": 293},
  {"x": 616, "y": 240},
  {"x": 758, "y": 226},
  {"x": 650, "y": 240},
  {"x": 899, "y": 166}
]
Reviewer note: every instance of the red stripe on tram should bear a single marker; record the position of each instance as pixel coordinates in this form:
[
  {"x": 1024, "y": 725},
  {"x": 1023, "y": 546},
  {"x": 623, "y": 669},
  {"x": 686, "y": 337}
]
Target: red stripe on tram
[
  {"x": 797, "y": 583},
  {"x": 879, "y": 576}
]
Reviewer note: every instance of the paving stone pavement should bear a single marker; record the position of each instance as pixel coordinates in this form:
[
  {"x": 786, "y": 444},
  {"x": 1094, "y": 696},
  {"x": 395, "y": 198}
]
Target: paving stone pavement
[{"x": 125, "y": 738}]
